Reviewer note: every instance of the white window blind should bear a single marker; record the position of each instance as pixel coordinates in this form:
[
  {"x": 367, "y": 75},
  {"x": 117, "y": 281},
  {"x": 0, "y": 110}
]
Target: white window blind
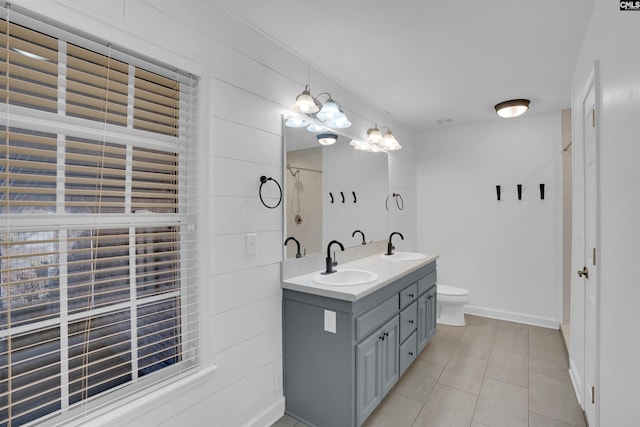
[{"x": 98, "y": 281}]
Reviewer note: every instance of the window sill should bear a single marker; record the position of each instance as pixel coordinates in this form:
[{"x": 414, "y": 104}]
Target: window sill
[{"x": 138, "y": 402}]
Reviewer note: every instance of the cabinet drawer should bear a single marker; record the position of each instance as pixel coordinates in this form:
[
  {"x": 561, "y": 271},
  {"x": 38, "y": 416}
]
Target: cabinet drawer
[
  {"x": 375, "y": 317},
  {"x": 408, "y": 352},
  {"x": 426, "y": 282},
  {"x": 408, "y": 295},
  {"x": 408, "y": 320}
]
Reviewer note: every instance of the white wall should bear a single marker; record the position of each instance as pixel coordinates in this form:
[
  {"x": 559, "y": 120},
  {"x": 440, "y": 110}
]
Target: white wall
[
  {"x": 610, "y": 39},
  {"x": 508, "y": 253},
  {"x": 247, "y": 82}
]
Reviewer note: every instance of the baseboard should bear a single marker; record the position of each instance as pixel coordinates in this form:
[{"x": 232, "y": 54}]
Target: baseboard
[
  {"x": 575, "y": 381},
  {"x": 267, "y": 415},
  {"x": 510, "y": 316}
]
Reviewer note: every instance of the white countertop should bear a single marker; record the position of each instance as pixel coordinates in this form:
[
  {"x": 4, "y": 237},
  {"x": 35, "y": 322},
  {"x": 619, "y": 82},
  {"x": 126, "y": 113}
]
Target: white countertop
[{"x": 387, "y": 270}]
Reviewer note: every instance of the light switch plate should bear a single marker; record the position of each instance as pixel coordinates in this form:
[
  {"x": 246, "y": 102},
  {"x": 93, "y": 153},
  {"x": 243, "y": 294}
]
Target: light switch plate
[{"x": 330, "y": 321}]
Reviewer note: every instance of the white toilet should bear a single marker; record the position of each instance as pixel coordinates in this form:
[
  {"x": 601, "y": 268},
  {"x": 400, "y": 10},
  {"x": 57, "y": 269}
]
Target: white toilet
[{"x": 450, "y": 300}]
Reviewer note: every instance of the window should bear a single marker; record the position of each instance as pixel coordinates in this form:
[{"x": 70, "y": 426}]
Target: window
[{"x": 98, "y": 290}]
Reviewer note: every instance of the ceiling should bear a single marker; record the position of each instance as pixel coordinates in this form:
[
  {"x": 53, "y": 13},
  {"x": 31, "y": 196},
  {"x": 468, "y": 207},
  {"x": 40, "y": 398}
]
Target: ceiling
[{"x": 433, "y": 63}]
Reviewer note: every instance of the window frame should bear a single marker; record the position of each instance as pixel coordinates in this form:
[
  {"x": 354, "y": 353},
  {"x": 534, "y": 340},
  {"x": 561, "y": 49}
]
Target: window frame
[{"x": 184, "y": 147}]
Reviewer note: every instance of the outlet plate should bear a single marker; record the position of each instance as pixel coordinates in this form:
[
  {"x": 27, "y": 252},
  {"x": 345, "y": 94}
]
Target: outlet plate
[{"x": 251, "y": 243}]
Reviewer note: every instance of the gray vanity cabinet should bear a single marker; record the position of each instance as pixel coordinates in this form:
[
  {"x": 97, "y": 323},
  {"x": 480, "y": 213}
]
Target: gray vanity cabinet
[
  {"x": 377, "y": 368},
  {"x": 337, "y": 372}
]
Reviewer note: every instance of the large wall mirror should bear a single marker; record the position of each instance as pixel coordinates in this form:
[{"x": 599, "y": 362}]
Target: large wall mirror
[{"x": 332, "y": 191}]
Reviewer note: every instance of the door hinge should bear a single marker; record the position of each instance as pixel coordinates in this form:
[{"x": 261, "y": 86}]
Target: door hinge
[
  {"x": 593, "y": 117},
  {"x": 593, "y": 395},
  {"x": 594, "y": 256}
]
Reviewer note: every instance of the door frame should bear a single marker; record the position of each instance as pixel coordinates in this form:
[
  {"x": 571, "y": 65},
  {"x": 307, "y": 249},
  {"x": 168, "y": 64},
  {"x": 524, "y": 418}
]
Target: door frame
[{"x": 578, "y": 351}]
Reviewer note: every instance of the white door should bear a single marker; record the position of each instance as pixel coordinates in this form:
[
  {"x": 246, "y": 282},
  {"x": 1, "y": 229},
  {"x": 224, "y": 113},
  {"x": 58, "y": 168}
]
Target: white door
[{"x": 590, "y": 273}]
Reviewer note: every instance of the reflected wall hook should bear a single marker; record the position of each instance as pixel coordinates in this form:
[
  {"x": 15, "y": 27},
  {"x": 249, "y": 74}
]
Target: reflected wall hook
[
  {"x": 498, "y": 191},
  {"x": 541, "y": 191},
  {"x": 354, "y": 196},
  {"x": 386, "y": 203},
  {"x": 331, "y": 195},
  {"x": 519, "y": 191},
  {"x": 263, "y": 181},
  {"x": 342, "y": 194}
]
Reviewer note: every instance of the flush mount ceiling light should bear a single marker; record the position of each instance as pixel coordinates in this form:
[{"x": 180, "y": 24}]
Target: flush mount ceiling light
[
  {"x": 512, "y": 108},
  {"x": 327, "y": 138},
  {"x": 329, "y": 113}
]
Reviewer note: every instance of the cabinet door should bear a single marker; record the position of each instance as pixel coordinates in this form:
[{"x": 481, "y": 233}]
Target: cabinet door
[
  {"x": 368, "y": 386},
  {"x": 390, "y": 353},
  {"x": 431, "y": 312},
  {"x": 423, "y": 321}
]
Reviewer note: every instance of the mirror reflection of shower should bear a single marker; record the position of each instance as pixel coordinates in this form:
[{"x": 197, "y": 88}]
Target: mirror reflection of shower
[{"x": 304, "y": 199}]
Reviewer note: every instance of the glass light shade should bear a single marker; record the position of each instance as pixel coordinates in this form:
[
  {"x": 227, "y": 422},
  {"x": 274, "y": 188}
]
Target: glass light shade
[
  {"x": 340, "y": 121},
  {"x": 305, "y": 103},
  {"x": 374, "y": 136},
  {"x": 315, "y": 128},
  {"x": 294, "y": 122},
  {"x": 327, "y": 138},
  {"x": 389, "y": 140},
  {"x": 374, "y": 148},
  {"x": 328, "y": 111},
  {"x": 512, "y": 108}
]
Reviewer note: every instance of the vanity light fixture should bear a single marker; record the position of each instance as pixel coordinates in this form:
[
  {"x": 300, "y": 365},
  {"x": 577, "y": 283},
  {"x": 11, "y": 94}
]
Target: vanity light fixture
[
  {"x": 512, "y": 108},
  {"x": 386, "y": 142},
  {"x": 327, "y": 138},
  {"x": 329, "y": 113}
]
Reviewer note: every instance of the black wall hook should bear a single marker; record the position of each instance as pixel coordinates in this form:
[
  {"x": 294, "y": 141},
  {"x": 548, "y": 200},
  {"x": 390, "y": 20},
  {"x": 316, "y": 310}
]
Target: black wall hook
[
  {"x": 354, "y": 197},
  {"x": 498, "y": 191},
  {"x": 541, "y": 191},
  {"x": 519, "y": 191},
  {"x": 342, "y": 194},
  {"x": 331, "y": 195}
]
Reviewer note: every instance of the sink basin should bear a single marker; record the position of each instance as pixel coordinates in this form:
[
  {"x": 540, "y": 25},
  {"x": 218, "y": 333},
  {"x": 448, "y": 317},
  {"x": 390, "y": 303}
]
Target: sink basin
[
  {"x": 405, "y": 256},
  {"x": 346, "y": 277}
]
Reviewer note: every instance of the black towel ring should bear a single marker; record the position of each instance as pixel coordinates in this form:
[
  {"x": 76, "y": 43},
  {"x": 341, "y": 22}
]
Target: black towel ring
[
  {"x": 263, "y": 181},
  {"x": 398, "y": 196}
]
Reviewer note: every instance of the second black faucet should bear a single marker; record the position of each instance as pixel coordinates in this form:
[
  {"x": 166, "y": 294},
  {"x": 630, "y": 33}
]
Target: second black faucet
[{"x": 390, "y": 246}]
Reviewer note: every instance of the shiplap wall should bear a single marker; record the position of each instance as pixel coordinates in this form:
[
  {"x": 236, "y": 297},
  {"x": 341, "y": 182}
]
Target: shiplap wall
[{"x": 246, "y": 83}]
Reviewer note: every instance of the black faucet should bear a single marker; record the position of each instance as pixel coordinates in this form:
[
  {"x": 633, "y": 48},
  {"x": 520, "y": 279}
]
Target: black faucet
[
  {"x": 298, "y": 254},
  {"x": 329, "y": 260},
  {"x": 390, "y": 247},
  {"x": 364, "y": 242}
]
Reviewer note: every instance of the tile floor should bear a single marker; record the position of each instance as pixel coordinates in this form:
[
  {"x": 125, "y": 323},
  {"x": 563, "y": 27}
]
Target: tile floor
[{"x": 490, "y": 373}]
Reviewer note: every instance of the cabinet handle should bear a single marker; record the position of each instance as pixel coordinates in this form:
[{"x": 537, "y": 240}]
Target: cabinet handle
[
  {"x": 411, "y": 322},
  {"x": 411, "y": 353},
  {"x": 410, "y": 295},
  {"x": 386, "y": 334},
  {"x": 381, "y": 337}
]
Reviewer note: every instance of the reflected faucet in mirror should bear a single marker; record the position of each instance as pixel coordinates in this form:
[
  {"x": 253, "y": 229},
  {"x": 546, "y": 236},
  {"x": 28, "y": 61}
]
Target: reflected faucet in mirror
[
  {"x": 298, "y": 254},
  {"x": 364, "y": 241},
  {"x": 390, "y": 246},
  {"x": 329, "y": 261}
]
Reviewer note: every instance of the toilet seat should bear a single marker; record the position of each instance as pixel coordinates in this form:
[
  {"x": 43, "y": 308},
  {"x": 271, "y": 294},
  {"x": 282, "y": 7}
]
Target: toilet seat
[{"x": 452, "y": 290}]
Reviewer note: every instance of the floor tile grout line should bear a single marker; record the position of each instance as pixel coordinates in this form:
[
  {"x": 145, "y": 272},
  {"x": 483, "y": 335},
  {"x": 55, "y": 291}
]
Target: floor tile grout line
[{"x": 484, "y": 376}]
